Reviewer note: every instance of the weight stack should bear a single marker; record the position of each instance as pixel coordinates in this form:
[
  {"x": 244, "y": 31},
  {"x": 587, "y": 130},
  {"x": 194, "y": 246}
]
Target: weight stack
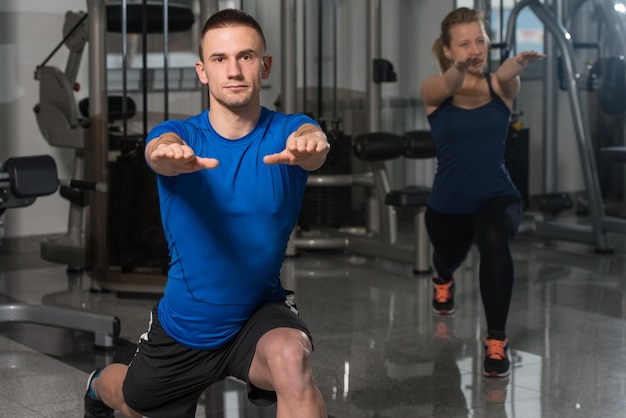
[
  {"x": 136, "y": 238},
  {"x": 326, "y": 205}
]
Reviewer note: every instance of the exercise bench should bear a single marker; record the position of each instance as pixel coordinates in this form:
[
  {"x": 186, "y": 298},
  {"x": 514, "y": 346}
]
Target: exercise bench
[
  {"x": 378, "y": 147},
  {"x": 22, "y": 181}
]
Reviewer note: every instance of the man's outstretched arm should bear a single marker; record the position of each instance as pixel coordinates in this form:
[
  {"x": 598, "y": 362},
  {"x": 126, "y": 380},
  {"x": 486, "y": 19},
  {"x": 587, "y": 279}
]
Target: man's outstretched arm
[
  {"x": 306, "y": 147},
  {"x": 169, "y": 155}
]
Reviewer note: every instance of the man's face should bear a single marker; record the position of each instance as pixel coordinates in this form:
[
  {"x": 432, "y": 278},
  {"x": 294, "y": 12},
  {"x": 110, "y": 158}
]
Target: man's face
[{"x": 233, "y": 66}]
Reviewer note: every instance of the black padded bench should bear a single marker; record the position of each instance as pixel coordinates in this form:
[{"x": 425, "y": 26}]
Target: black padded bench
[
  {"x": 22, "y": 181},
  {"x": 383, "y": 146},
  {"x": 417, "y": 145}
]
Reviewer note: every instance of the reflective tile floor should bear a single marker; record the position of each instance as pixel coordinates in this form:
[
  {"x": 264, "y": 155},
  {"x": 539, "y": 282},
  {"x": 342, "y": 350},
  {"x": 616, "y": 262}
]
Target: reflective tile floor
[{"x": 379, "y": 350}]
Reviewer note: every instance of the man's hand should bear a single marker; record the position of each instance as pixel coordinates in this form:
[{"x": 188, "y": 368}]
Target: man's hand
[
  {"x": 307, "y": 148},
  {"x": 171, "y": 159}
]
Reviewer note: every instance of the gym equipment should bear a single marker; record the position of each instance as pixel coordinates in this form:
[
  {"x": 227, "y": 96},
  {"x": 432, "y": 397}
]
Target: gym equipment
[
  {"x": 327, "y": 206},
  {"x": 330, "y": 205},
  {"x": 594, "y": 233},
  {"x": 554, "y": 203},
  {"x": 61, "y": 126},
  {"x": 22, "y": 181},
  {"x": 516, "y": 159},
  {"x": 380, "y": 237},
  {"x": 612, "y": 98},
  {"x": 136, "y": 256},
  {"x": 96, "y": 134},
  {"x": 64, "y": 124}
]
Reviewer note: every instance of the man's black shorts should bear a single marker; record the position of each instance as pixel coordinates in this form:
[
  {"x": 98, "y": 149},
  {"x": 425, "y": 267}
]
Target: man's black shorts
[{"x": 165, "y": 379}]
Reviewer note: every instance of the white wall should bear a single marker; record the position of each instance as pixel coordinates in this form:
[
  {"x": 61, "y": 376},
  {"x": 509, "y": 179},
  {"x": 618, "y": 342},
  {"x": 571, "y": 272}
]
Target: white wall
[{"x": 30, "y": 29}]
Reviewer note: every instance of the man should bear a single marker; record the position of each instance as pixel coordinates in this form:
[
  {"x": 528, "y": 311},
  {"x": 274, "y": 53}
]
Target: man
[{"x": 230, "y": 183}]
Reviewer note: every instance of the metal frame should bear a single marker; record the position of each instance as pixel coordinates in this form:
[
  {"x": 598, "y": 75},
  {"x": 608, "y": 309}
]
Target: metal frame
[
  {"x": 104, "y": 327},
  {"x": 596, "y": 232}
]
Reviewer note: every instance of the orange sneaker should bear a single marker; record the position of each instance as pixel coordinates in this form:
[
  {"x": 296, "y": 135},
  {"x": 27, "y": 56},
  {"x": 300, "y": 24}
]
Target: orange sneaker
[
  {"x": 497, "y": 362},
  {"x": 443, "y": 298}
]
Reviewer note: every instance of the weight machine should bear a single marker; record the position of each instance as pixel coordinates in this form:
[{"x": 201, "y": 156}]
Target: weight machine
[
  {"x": 61, "y": 125},
  {"x": 381, "y": 237},
  {"x": 378, "y": 234},
  {"x": 22, "y": 181},
  {"x": 97, "y": 129},
  {"x": 595, "y": 232}
]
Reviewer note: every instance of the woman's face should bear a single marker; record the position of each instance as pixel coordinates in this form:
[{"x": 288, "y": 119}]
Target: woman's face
[{"x": 468, "y": 41}]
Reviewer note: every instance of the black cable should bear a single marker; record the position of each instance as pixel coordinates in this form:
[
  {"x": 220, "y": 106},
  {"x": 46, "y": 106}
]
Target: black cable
[
  {"x": 320, "y": 27},
  {"x": 335, "y": 19},
  {"x": 69, "y": 34},
  {"x": 144, "y": 65},
  {"x": 304, "y": 57}
]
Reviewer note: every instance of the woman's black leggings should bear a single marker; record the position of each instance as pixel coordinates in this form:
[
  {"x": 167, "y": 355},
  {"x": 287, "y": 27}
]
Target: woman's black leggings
[{"x": 492, "y": 228}]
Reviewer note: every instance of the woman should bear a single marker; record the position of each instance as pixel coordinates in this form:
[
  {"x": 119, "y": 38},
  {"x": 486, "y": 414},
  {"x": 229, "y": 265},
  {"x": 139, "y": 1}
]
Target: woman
[{"x": 473, "y": 199}]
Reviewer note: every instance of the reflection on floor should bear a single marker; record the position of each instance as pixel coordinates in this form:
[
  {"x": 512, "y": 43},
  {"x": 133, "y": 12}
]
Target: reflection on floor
[{"x": 379, "y": 350}]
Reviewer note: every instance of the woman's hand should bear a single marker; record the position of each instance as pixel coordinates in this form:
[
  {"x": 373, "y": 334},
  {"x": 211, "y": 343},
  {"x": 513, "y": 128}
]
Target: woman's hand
[
  {"x": 526, "y": 57},
  {"x": 468, "y": 62}
]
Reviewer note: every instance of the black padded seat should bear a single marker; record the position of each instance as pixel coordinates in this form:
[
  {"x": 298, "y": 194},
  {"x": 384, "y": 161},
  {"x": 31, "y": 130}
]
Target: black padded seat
[
  {"x": 383, "y": 146},
  {"x": 408, "y": 197},
  {"x": 419, "y": 144},
  {"x": 378, "y": 146}
]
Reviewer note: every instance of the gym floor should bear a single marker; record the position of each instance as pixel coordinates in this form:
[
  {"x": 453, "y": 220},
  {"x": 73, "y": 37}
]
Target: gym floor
[{"x": 379, "y": 350}]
